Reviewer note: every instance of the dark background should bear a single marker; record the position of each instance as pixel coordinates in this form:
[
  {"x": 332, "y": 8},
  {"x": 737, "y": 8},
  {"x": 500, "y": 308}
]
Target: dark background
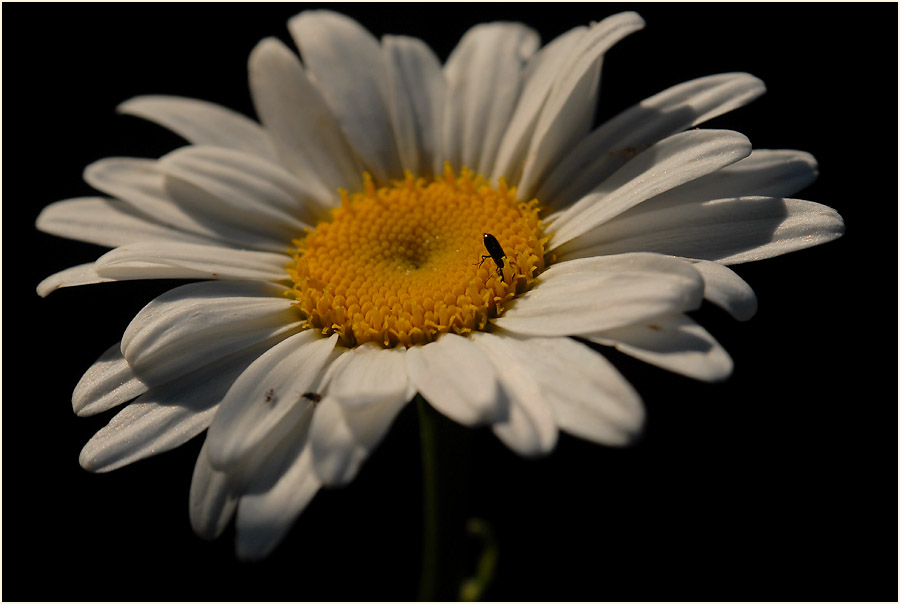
[{"x": 779, "y": 484}]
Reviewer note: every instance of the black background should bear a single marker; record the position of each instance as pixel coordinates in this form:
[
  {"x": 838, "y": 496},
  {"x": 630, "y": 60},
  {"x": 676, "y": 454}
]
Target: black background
[{"x": 779, "y": 484}]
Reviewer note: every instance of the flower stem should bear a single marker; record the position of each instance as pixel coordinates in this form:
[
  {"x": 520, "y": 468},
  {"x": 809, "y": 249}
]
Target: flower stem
[{"x": 444, "y": 465}]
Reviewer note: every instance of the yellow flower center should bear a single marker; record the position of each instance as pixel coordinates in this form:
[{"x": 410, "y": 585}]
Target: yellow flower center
[{"x": 405, "y": 263}]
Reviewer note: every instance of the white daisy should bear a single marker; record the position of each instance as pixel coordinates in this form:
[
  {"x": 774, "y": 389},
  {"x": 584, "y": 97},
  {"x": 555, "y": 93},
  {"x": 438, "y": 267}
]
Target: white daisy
[{"x": 393, "y": 226}]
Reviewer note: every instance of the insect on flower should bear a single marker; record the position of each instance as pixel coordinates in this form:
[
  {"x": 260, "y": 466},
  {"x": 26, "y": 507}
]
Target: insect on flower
[{"x": 495, "y": 253}]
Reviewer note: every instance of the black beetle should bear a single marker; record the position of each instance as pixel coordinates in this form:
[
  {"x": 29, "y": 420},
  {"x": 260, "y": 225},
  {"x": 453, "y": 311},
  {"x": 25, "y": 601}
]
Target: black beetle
[{"x": 495, "y": 252}]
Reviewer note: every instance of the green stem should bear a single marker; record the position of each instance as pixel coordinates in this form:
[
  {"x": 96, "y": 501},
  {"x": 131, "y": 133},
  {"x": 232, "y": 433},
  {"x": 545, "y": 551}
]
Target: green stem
[
  {"x": 428, "y": 584},
  {"x": 444, "y": 465}
]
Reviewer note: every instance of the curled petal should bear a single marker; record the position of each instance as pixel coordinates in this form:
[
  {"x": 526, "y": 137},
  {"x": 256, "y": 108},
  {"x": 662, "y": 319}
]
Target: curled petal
[{"x": 83, "y": 274}]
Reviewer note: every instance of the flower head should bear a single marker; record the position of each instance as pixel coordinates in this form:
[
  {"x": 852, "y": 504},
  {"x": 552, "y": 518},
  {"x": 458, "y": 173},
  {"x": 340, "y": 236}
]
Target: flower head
[{"x": 395, "y": 226}]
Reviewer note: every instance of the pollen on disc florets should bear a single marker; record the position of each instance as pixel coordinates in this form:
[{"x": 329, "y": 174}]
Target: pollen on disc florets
[{"x": 399, "y": 265}]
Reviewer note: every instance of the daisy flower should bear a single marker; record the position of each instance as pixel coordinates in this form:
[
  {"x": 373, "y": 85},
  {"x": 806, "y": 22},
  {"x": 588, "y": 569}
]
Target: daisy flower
[{"x": 392, "y": 227}]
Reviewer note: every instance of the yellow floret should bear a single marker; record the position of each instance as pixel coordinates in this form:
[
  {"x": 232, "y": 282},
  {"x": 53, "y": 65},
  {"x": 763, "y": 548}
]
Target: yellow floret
[{"x": 398, "y": 265}]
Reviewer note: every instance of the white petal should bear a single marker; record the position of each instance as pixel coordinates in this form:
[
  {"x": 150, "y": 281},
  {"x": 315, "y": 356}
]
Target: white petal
[
  {"x": 342, "y": 438},
  {"x": 370, "y": 375},
  {"x": 610, "y": 146},
  {"x": 270, "y": 392},
  {"x": 233, "y": 193},
  {"x": 265, "y": 516},
  {"x": 144, "y": 429},
  {"x": 592, "y": 294},
  {"x": 729, "y": 231},
  {"x": 538, "y": 78},
  {"x": 569, "y": 111},
  {"x": 252, "y": 231},
  {"x": 675, "y": 343},
  {"x": 107, "y": 222},
  {"x": 347, "y": 65},
  {"x": 800, "y": 224},
  {"x": 108, "y": 383},
  {"x": 265, "y": 462},
  {"x": 336, "y": 452},
  {"x": 165, "y": 260},
  {"x": 415, "y": 101},
  {"x": 202, "y": 123},
  {"x": 667, "y": 164},
  {"x": 483, "y": 83},
  {"x": 456, "y": 378},
  {"x": 212, "y": 502},
  {"x": 192, "y": 325},
  {"x": 142, "y": 185},
  {"x": 590, "y": 399},
  {"x": 83, "y": 274},
  {"x": 165, "y": 417},
  {"x": 725, "y": 289},
  {"x": 764, "y": 173},
  {"x": 302, "y": 127},
  {"x": 344, "y": 432},
  {"x": 529, "y": 427},
  {"x": 247, "y": 188}
]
